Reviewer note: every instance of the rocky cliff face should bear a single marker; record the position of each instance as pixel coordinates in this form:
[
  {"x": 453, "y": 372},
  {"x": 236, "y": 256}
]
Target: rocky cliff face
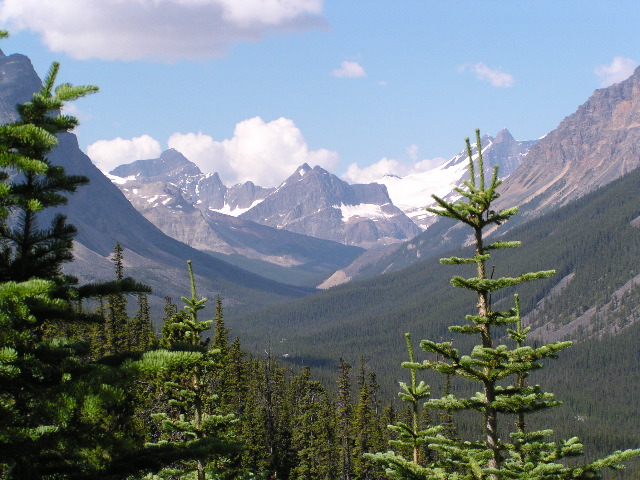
[
  {"x": 18, "y": 81},
  {"x": 595, "y": 145}
]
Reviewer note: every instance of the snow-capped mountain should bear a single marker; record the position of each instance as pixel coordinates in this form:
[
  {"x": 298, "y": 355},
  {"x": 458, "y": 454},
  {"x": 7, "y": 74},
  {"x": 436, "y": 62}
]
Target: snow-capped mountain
[
  {"x": 173, "y": 194},
  {"x": 317, "y": 203},
  {"x": 197, "y": 188},
  {"x": 412, "y": 193}
]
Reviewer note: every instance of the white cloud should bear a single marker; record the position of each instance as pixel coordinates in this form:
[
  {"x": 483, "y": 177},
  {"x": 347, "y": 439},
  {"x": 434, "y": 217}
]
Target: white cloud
[
  {"x": 494, "y": 76},
  {"x": 163, "y": 30},
  {"x": 412, "y": 151},
  {"x": 108, "y": 154},
  {"x": 618, "y": 70},
  {"x": 265, "y": 153},
  {"x": 385, "y": 166},
  {"x": 349, "y": 70}
]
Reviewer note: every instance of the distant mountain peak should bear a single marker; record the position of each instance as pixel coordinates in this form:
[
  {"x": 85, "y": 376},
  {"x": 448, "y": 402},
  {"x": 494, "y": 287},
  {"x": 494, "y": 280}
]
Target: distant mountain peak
[
  {"x": 504, "y": 136},
  {"x": 170, "y": 165},
  {"x": 303, "y": 169}
]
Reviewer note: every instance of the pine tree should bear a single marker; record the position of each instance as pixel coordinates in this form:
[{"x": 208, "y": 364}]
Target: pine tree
[
  {"x": 221, "y": 332},
  {"x": 364, "y": 424},
  {"x": 141, "y": 336},
  {"x": 314, "y": 432},
  {"x": 343, "y": 421},
  {"x": 198, "y": 429},
  {"x": 28, "y": 251},
  {"x": 499, "y": 370},
  {"x": 116, "y": 320}
]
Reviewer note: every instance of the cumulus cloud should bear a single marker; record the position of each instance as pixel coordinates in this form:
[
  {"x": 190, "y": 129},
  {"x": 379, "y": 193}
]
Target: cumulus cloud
[
  {"x": 349, "y": 70},
  {"x": 108, "y": 154},
  {"x": 388, "y": 166},
  {"x": 163, "y": 30},
  {"x": 618, "y": 70},
  {"x": 263, "y": 152},
  {"x": 494, "y": 76}
]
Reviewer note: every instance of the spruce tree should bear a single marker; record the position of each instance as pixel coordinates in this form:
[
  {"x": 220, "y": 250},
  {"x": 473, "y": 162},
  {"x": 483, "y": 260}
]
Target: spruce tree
[
  {"x": 198, "y": 429},
  {"x": 344, "y": 408},
  {"x": 141, "y": 335},
  {"x": 116, "y": 320},
  {"x": 29, "y": 251},
  {"x": 498, "y": 370},
  {"x": 314, "y": 432}
]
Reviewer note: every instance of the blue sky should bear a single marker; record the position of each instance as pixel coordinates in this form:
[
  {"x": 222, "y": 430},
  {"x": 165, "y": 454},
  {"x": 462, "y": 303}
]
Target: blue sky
[{"x": 253, "y": 88}]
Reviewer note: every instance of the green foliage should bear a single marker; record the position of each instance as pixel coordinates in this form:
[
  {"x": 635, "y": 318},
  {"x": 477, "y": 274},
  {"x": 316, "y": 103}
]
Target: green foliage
[
  {"x": 195, "y": 423},
  {"x": 501, "y": 372},
  {"x": 28, "y": 251}
]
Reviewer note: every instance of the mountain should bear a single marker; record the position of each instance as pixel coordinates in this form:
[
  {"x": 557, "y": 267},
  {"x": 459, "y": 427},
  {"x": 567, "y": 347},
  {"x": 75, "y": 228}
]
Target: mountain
[
  {"x": 317, "y": 203},
  {"x": 591, "y": 147},
  {"x": 174, "y": 195},
  {"x": 412, "y": 193},
  {"x": 594, "y": 245},
  {"x": 205, "y": 190},
  {"x": 104, "y": 216}
]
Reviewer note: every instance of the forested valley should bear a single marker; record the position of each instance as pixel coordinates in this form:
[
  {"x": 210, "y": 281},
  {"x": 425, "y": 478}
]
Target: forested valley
[{"x": 88, "y": 391}]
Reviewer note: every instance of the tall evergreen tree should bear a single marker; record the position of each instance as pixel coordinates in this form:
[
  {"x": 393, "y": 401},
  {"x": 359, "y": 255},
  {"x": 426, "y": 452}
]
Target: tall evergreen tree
[
  {"x": 498, "y": 370},
  {"x": 29, "y": 251},
  {"x": 141, "y": 335},
  {"x": 198, "y": 428},
  {"x": 116, "y": 320},
  {"x": 314, "y": 432},
  {"x": 343, "y": 421}
]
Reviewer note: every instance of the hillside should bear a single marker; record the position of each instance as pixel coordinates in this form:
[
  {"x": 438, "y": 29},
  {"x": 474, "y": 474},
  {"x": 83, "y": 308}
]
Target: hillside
[
  {"x": 594, "y": 241},
  {"x": 590, "y": 148}
]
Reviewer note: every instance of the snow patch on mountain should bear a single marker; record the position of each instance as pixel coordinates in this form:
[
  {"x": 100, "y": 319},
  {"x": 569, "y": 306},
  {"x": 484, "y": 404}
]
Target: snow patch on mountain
[
  {"x": 235, "y": 211},
  {"x": 363, "y": 210},
  {"x": 412, "y": 193}
]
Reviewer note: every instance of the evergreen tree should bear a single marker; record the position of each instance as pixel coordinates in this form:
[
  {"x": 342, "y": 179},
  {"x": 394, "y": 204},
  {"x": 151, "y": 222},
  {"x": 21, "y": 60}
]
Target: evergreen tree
[
  {"x": 364, "y": 423},
  {"x": 116, "y": 320},
  {"x": 141, "y": 336},
  {"x": 314, "y": 432},
  {"x": 221, "y": 335},
  {"x": 343, "y": 421},
  {"x": 198, "y": 428},
  {"x": 236, "y": 375},
  {"x": 28, "y": 251},
  {"x": 498, "y": 370}
]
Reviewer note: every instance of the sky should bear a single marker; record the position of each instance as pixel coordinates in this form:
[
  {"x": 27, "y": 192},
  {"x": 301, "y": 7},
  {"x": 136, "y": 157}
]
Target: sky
[{"x": 251, "y": 89}]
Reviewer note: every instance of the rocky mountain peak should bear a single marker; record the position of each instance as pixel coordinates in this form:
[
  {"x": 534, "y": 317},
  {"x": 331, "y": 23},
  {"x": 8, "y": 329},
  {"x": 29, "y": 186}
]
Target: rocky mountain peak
[
  {"x": 18, "y": 81},
  {"x": 504, "y": 136},
  {"x": 169, "y": 166},
  {"x": 298, "y": 175}
]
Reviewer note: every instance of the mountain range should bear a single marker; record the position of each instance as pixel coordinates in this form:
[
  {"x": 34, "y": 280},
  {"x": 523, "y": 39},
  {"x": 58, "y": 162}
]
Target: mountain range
[
  {"x": 186, "y": 204},
  {"x": 103, "y": 216},
  {"x": 254, "y": 227}
]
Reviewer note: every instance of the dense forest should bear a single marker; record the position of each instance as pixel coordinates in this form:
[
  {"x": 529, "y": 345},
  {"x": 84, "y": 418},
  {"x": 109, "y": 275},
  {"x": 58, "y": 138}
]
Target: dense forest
[{"x": 91, "y": 392}]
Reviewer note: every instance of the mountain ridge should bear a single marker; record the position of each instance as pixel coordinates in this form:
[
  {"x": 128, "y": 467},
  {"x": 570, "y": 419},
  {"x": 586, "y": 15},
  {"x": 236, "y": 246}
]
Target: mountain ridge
[{"x": 103, "y": 216}]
